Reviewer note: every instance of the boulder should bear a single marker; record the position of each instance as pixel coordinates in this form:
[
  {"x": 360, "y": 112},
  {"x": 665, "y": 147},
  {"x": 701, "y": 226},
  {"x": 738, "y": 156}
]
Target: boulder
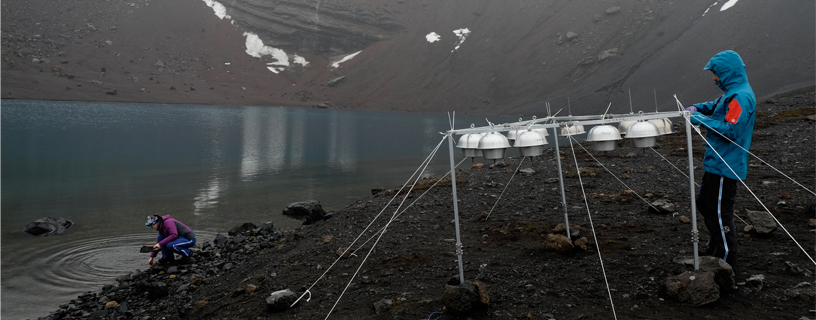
[
  {"x": 220, "y": 240},
  {"x": 762, "y": 222},
  {"x": 559, "y": 243},
  {"x": 463, "y": 299},
  {"x": 280, "y": 300},
  {"x": 696, "y": 287},
  {"x": 723, "y": 273},
  {"x": 48, "y": 226},
  {"x": 310, "y": 211}
]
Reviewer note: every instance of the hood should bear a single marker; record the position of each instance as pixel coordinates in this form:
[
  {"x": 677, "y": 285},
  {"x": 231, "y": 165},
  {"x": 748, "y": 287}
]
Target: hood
[
  {"x": 165, "y": 217},
  {"x": 728, "y": 66}
]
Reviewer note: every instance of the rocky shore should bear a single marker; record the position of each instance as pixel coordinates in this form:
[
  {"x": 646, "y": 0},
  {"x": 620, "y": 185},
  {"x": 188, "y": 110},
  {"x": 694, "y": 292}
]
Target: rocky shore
[{"x": 512, "y": 251}]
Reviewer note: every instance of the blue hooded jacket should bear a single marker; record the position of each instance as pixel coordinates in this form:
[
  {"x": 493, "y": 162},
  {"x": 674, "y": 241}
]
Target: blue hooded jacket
[{"x": 731, "y": 116}]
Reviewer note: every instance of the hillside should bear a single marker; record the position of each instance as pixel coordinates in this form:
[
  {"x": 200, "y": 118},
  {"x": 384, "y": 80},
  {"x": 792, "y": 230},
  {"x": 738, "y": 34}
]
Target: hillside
[{"x": 517, "y": 55}]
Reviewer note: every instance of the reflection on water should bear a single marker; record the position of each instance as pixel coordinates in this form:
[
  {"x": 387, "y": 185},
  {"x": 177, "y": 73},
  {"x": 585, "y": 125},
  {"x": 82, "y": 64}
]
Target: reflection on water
[{"x": 107, "y": 166}]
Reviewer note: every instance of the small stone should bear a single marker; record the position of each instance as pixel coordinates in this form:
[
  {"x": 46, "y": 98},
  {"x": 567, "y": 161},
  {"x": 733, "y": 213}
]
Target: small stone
[
  {"x": 477, "y": 166},
  {"x": 200, "y": 304},
  {"x": 529, "y": 287},
  {"x": 327, "y": 238},
  {"x": 280, "y": 300},
  {"x": 112, "y": 304},
  {"x": 559, "y": 243},
  {"x": 250, "y": 288},
  {"x": 612, "y": 10},
  {"x": 582, "y": 243},
  {"x": 383, "y": 306},
  {"x": 684, "y": 219},
  {"x": 812, "y": 223}
]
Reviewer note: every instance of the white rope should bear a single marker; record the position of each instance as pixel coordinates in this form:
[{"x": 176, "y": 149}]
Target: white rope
[
  {"x": 408, "y": 207},
  {"x": 427, "y": 159},
  {"x": 505, "y": 188},
  {"x": 753, "y": 194},
  {"x": 672, "y": 164},
  {"x": 384, "y": 228},
  {"x": 597, "y": 242},
  {"x": 610, "y": 172}
]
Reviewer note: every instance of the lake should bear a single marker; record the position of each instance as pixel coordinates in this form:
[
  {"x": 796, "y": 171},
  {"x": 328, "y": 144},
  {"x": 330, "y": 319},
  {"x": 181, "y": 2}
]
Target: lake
[{"x": 107, "y": 166}]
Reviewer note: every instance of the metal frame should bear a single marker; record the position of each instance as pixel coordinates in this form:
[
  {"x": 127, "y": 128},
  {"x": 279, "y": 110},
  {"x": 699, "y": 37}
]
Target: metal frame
[{"x": 564, "y": 121}]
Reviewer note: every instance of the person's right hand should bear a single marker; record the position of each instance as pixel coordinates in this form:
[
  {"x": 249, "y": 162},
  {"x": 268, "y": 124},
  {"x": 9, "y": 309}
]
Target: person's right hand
[
  {"x": 691, "y": 109},
  {"x": 150, "y": 262}
]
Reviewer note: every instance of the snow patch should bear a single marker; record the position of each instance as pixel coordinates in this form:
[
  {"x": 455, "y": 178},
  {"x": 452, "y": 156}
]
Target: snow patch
[
  {"x": 433, "y": 37},
  {"x": 256, "y": 48},
  {"x": 346, "y": 58},
  {"x": 220, "y": 10},
  {"x": 462, "y": 34},
  {"x": 300, "y": 60},
  {"x": 728, "y": 5},
  {"x": 709, "y": 7}
]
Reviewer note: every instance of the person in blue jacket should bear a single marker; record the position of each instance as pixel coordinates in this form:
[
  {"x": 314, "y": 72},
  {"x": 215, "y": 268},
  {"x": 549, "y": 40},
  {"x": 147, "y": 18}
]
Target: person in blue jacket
[{"x": 729, "y": 124}]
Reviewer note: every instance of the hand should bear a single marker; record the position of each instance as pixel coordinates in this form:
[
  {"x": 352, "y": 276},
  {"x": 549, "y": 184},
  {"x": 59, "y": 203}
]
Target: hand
[
  {"x": 150, "y": 262},
  {"x": 692, "y": 109},
  {"x": 156, "y": 246}
]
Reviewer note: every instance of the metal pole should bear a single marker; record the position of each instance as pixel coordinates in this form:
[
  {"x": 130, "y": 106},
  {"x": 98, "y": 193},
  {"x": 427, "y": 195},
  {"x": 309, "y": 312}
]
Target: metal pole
[
  {"x": 456, "y": 210},
  {"x": 561, "y": 182},
  {"x": 695, "y": 235}
]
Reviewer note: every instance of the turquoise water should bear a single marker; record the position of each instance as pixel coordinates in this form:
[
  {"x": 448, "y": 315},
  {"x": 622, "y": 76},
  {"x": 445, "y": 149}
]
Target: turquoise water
[{"x": 107, "y": 166}]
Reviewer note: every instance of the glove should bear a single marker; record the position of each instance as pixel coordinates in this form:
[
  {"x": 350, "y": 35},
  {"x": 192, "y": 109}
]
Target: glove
[
  {"x": 692, "y": 109},
  {"x": 696, "y": 118}
]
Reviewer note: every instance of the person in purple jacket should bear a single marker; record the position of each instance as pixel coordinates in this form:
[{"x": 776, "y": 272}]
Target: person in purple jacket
[{"x": 174, "y": 237}]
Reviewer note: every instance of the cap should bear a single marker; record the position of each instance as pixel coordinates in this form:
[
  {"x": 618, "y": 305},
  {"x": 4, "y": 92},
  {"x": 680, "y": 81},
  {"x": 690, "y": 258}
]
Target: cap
[{"x": 151, "y": 220}]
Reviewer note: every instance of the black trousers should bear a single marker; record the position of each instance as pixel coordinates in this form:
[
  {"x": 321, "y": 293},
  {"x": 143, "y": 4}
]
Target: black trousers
[{"x": 715, "y": 201}]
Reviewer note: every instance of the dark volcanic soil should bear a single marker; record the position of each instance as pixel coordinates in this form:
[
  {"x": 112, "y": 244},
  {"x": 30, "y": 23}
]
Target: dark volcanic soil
[{"x": 413, "y": 261}]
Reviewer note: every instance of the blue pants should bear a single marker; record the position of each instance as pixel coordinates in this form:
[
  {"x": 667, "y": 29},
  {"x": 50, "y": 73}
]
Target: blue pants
[{"x": 179, "y": 245}]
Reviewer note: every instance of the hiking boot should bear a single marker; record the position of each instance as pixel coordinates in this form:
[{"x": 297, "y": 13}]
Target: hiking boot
[
  {"x": 187, "y": 260},
  {"x": 164, "y": 261}
]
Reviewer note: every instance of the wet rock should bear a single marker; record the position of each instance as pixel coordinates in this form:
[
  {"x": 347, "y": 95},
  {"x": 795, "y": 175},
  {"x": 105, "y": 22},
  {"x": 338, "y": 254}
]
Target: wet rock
[
  {"x": 383, "y": 306},
  {"x": 663, "y": 206},
  {"x": 48, "y": 226},
  {"x": 310, "y": 211},
  {"x": 280, "y": 300},
  {"x": 696, "y": 287},
  {"x": 762, "y": 222},
  {"x": 220, "y": 240},
  {"x": 462, "y": 299},
  {"x": 559, "y": 243},
  {"x": 246, "y": 226}
]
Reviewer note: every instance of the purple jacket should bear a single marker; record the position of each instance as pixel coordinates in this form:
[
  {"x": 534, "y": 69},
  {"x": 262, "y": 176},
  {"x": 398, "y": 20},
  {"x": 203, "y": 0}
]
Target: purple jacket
[{"x": 172, "y": 229}]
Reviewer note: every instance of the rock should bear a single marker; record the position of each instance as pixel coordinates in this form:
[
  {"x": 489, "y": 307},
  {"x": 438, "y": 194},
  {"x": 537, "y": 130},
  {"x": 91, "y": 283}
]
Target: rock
[
  {"x": 25, "y": 52},
  {"x": 280, "y": 300},
  {"x": 755, "y": 282},
  {"x": 559, "y": 243},
  {"x": 812, "y": 118},
  {"x": 238, "y": 239},
  {"x": 684, "y": 219},
  {"x": 383, "y": 306},
  {"x": 608, "y": 53},
  {"x": 527, "y": 172},
  {"x": 220, "y": 240},
  {"x": 761, "y": 221},
  {"x": 663, "y": 206},
  {"x": 111, "y": 305},
  {"x": 48, "y": 226},
  {"x": 201, "y": 303},
  {"x": 484, "y": 296},
  {"x": 723, "y": 273},
  {"x": 582, "y": 243},
  {"x": 571, "y": 36},
  {"x": 56, "y": 69},
  {"x": 250, "y": 288},
  {"x": 335, "y": 81},
  {"x": 326, "y": 239},
  {"x": 694, "y": 287},
  {"x": 477, "y": 165},
  {"x": 172, "y": 270},
  {"x": 461, "y": 299},
  {"x": 311, "y": 211},
  {"x": 792, "y": 268},
  {"x": 812, "y": 223},
  {"x": 111, "y": 92},
  {"x": 612, "y": 10},
  {"x": 803, "y": 290},
  {"x": 247, "y": 226},
  {"x": 159, "y": 64}
]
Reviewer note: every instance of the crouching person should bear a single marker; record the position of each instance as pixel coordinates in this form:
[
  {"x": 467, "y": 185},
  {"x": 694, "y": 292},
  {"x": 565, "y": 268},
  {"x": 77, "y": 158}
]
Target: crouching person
[{"x": 174, "y": 237}]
